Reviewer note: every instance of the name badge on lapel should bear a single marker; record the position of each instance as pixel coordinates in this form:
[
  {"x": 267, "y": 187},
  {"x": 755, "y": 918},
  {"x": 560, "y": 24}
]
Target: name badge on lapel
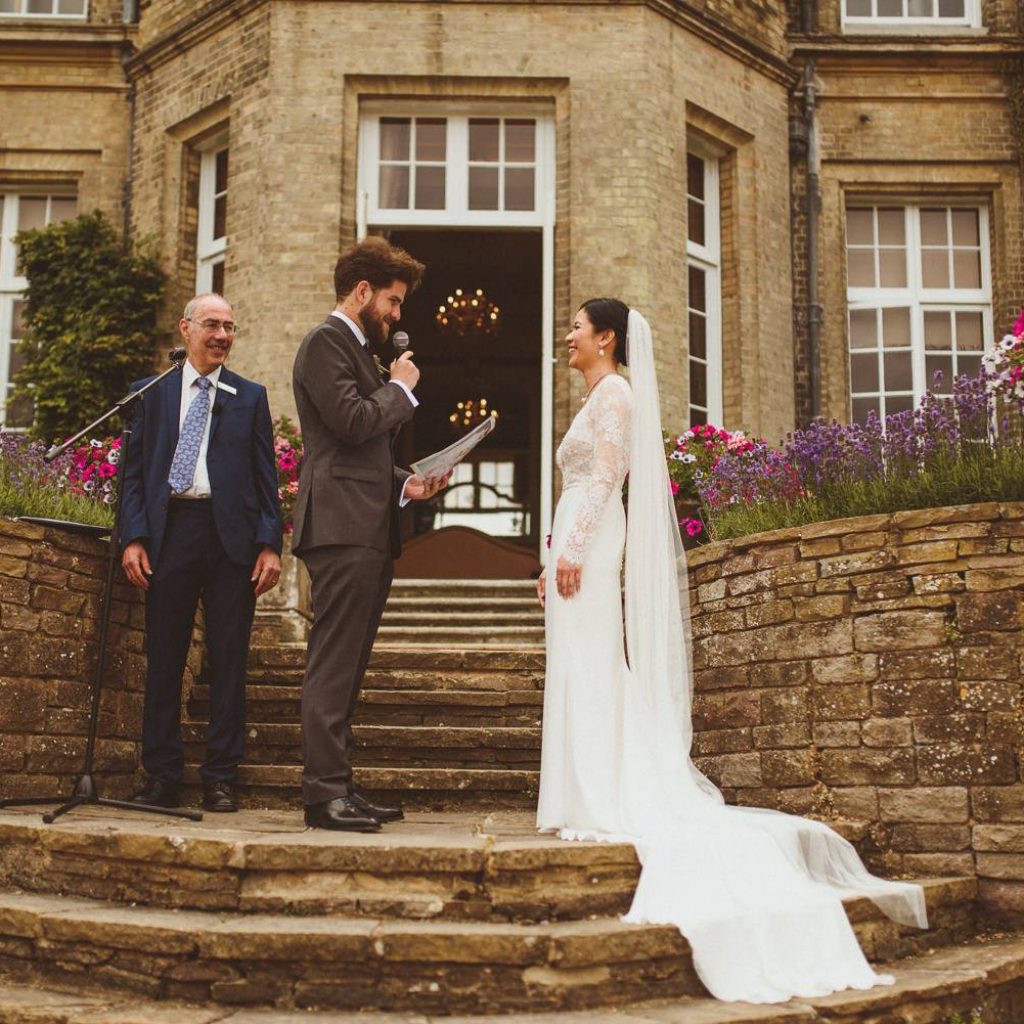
[{"x": 221, "y": 386}]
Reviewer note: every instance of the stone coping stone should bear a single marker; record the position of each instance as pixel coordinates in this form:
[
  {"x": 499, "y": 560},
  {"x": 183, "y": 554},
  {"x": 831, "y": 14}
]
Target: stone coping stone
[{"x": 986, "y": 974}]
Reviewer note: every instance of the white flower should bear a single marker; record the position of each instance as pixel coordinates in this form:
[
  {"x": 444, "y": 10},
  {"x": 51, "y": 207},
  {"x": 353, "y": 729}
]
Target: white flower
[
  {"x": 89, "y": 486},
  {"x": 688, "y": 434},
  {"x": 1008, "y": 342},
  {"x": 677, "y": 457},
  {"x": 95, "y": 444},
  {"x": 114, "y": 456},
  {"x": 688, "y": 458}
]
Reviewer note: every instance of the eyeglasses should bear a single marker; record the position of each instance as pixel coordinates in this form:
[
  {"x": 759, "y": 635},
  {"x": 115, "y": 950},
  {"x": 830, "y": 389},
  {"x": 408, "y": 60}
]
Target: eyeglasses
[{"x": 230, "y": 327}]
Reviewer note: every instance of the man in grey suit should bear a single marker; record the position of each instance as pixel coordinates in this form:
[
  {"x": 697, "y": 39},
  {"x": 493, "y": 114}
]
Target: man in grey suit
[{"x": 346, "y": 514}]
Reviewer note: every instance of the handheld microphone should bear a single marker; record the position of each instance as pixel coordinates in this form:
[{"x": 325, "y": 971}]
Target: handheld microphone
[{"x": 401, "y": 341}]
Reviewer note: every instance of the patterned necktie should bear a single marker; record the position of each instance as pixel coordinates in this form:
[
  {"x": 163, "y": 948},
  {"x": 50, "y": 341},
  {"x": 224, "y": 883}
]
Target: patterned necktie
[{"x": 186, "y": 455}]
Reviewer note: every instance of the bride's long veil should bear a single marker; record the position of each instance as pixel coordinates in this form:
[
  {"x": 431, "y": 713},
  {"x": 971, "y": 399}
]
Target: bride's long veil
[{"x": 657, "y": 586}]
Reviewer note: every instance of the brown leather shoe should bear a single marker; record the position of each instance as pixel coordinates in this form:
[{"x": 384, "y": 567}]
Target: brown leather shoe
[
  {"x": 341, "y": 814},
  {"x": 219, "y": 796}
]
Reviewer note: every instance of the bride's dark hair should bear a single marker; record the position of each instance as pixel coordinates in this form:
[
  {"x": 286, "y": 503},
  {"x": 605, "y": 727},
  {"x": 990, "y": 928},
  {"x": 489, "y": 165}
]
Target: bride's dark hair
[{"x": 610, "y": 315}]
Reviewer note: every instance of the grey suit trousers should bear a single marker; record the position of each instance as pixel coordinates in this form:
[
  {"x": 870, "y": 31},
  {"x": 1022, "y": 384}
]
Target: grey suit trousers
[{"x": 350, "y": 586}]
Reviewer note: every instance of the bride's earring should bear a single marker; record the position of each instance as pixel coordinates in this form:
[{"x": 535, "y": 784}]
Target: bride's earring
[{"x": 600, "y": 351}]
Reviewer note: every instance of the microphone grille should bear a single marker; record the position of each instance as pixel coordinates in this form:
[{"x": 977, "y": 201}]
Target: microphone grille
[{"x": 400, "y": 340}]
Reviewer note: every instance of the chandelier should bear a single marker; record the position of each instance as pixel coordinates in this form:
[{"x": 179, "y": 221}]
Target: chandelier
[
  {"x": 467, "y": 314},
  {"x": 469, "y": 413}
]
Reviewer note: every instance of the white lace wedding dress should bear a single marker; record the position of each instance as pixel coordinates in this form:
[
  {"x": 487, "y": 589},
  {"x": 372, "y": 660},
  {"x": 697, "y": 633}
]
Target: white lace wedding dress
[{"x": 756, "y": 893}]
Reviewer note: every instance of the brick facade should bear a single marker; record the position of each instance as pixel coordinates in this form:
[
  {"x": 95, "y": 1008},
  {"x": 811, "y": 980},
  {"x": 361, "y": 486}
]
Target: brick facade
[{"x": 872, "y": 669}]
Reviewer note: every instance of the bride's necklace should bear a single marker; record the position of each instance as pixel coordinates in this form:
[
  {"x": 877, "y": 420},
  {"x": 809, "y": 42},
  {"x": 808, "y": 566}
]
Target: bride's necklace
[{"x": 594, "y": 385}]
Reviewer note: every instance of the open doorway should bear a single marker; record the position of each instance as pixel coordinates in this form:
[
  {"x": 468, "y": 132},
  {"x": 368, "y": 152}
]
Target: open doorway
[{"x": 475, "y": 326}]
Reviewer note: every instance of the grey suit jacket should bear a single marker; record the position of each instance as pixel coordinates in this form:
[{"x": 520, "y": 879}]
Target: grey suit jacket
[{"x": 349, "y": 486}]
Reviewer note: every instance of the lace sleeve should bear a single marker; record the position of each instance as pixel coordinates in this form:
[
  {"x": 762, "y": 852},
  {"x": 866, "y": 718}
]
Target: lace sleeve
[{"x": 610, "y": 423}]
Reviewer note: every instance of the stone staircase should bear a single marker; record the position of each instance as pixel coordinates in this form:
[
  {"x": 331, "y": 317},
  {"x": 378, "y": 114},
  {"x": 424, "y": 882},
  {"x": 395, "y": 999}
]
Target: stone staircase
[
  {"x": 460, "y": 909},
  {"x": 449, "y": 715}
]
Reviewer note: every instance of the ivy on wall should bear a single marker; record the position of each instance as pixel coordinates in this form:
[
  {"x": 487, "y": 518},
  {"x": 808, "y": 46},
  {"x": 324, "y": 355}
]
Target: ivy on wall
[{"x": 90, "y": 319}]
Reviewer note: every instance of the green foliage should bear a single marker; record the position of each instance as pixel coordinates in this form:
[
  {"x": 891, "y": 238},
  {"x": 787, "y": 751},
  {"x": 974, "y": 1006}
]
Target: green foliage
[
  {"x": 959, "y": 1018},
  {"x": 986, "y": 474},
  {"x": 90, "y": 319},
  {"x": 29, "y": 489}
]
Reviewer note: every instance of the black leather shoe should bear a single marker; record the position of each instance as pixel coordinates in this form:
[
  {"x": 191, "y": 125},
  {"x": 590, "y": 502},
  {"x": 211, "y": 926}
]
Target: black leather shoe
[
  {"x": 158, "y": 793},
  {"x": 381, "y": 814},
  {"x": 341, "y": 814},
  {"x": 219, "y": 796}
]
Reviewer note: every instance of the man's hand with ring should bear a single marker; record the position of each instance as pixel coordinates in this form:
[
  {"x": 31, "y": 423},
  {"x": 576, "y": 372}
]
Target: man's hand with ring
[
  {"x": 568, "y": 576},
  {"x": 267, "y": 571}
]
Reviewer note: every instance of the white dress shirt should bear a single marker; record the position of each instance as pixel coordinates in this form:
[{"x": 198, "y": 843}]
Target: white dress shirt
[
  {"x": 189, "y": 375},
  {"x": 361, "y": 338}
]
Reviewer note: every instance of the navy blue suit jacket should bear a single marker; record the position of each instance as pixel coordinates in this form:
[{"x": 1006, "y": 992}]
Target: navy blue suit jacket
[{"x": 239, "y": 460}]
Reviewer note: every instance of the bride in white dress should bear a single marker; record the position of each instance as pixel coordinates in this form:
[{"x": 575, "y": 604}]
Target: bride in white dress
[{"x": 758, "y": 894}]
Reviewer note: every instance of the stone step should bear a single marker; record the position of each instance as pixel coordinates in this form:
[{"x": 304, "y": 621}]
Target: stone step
[
  {"x": 983, "y": 976},
  {"x": 469, "y": 589},
  {"x": 356, "y": 963},
  {"x": 496, "y": 681},
  {"x": 429, "y": 789},
  {"x": 445, "y": 619},
  {"x": 398, "y": 706},
  {"x": 400, "y": 746},
  {"x": 443, "y": 635},
  {"x": 455, "y": 658},
  {"x": 399, "y": 602}
]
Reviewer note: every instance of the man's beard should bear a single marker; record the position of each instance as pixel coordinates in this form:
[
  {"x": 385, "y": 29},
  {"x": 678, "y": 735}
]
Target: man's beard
[{"x": 376, "y": 327}]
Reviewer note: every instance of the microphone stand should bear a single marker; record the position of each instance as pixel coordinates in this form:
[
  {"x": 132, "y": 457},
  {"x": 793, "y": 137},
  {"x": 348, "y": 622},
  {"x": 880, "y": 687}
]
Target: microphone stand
[{"x": 85, "y": 791}]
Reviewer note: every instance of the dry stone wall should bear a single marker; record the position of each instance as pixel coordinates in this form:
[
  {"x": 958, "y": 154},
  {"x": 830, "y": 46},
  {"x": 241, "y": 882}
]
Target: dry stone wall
[
  {"x": 871, "y": 668},
  {"x": 51, "y": 583}
]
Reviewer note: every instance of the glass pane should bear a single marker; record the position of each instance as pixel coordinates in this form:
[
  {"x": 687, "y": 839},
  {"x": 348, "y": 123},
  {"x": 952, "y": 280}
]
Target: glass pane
[
  {"x": 220, "y": 178},
  {"x": 31, "y": 213},
  {"x": 71, "y": 7},
  {"x": 19, "y": 412},
  {"x": 890, "y": 8},
  {"x": 519, "y": 188},
  {"x": 892, "y": 268},
  {"x": 943, "y": 365},
  {"x": 695, "y": 229},
  {"x": 698, "y": 416},
  {"x": 938, "y": 331},
  {"x": 394, "y": 138},
  {"x": 483, "y": 188},
  {"x": 17, "y": 319},
  {"x": 965, "y": 227},
  {"x": 861, "y": 408},
  {"x": 892, "y": 227},
  {"x": 520, "y": 141},
  {"x": 860, "y": 227},
  {"x": 218, "y": 278},
  {"x": 9, "y": 6},
  {"x": 394, "y": 187},
  {"x": 861, "y": 268},
  {"x": 895, "y": 328},
  {"x": 431, "y": 138},
  {"x": 934, "y": 229},
  {"x": 966, "y": 268},
  {"x": 694, "y": 176},
  {"x": 920, "y": 8},
  {"x": 430, "y": 188},
  {"x": 39, "y": 7},
  {"x": 898, "y": 403},
  {"x": 858, "y": 8},
  {"x": 863, "y": 328},
  {"x": 484, "y": 140},
  {"x": 220, "y": 216},
  {"x": 62, "y": 210},
  {"x": 697, "y": 298},
  {"x": 698, "y": 335},
  {"x": 897, "y": 371},
  {"x": 698, "y": 384},
  {"x": 935, "y": 268},
  {"x": 969, "y": 332},
  {"x": 968, "y": 365},
  {"x": 864, "y": 372},
  {"x": 951, "y": 8},
  {"x": 17, "y": 361}
]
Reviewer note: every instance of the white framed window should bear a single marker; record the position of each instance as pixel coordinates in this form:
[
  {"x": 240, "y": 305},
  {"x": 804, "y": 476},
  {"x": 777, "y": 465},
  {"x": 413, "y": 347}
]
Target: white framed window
[
  {"x": 704, "y": 287},
  {"x": 19, "y": 212},
  {"x": 919, "y": 298},
  {"x": 212, "y": 230},
  {"x": 44, "y": 8},
  {"x": 911, "y": 13},
  {"x": 425, "y": 164},
  {"x": 482, "y": 495}
]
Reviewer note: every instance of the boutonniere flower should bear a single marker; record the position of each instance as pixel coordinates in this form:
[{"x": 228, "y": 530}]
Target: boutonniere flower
[{"x": 382, "y": 370}]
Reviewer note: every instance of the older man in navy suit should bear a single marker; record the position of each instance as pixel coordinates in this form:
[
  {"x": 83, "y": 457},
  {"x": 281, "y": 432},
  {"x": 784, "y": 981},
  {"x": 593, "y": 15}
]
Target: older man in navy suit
[{"x": 200, "y": 518}]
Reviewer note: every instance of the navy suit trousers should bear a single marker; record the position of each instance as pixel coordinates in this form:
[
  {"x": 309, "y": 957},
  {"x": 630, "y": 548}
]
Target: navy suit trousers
[{"x": 193, "y": 565}]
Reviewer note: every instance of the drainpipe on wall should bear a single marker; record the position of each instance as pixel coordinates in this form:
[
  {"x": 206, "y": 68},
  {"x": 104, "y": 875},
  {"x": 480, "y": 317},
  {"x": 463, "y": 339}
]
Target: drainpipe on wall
[{"x": 813, "y": 213}]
